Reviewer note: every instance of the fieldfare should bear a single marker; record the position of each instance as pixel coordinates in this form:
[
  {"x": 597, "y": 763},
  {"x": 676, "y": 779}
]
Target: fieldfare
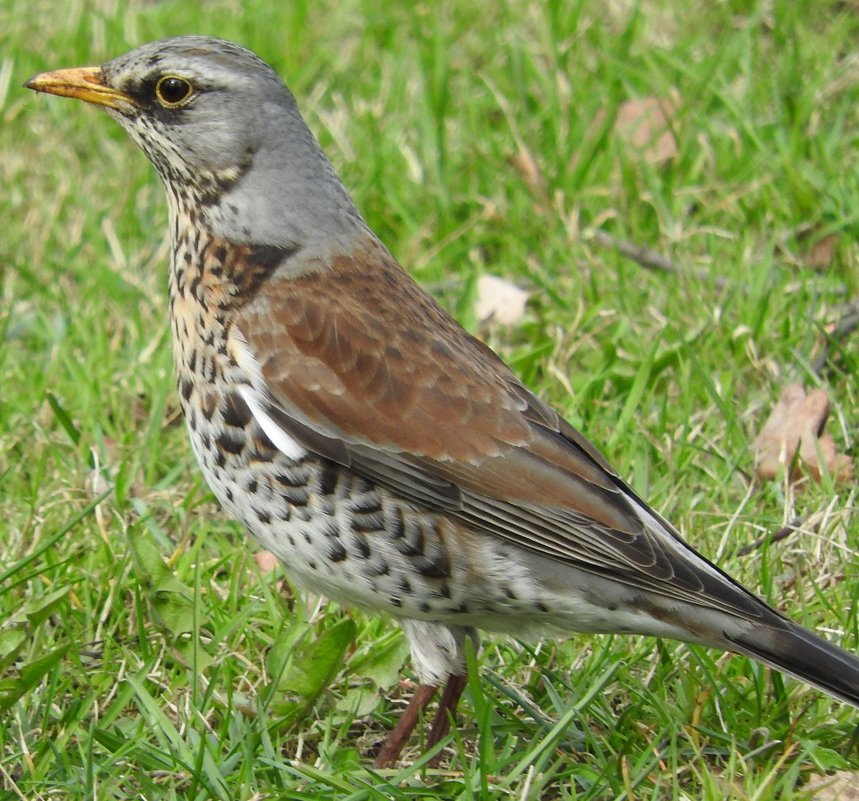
[{"x": 388, "y": 458}]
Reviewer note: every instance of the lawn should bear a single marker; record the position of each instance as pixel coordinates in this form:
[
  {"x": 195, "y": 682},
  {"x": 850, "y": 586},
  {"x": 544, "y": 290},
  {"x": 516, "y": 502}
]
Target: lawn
[{"x": 145, "y": 654}]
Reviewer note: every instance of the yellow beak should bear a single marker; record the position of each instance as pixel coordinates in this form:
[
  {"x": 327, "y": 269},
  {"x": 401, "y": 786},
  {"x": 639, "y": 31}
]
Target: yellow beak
[{"x": 82, "y": 83}]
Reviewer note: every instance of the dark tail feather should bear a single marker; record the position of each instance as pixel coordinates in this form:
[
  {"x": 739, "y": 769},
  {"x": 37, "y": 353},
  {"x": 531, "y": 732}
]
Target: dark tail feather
[{"x": 795, "y": 650}]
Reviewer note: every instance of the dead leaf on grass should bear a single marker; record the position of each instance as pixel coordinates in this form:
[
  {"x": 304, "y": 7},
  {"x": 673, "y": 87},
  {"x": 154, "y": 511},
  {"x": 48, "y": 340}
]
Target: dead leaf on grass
[
  {"x": 646, "y": 124},
  {"x": 499, "y": 301},
  {"x": 795, "y": 425},
  {"x": 816, "y": 251},
  {"x": 819, "y": 256}
]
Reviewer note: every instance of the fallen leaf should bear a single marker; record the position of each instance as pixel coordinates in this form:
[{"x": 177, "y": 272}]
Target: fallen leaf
[
  {"x": 840, "y": 786},
  {"x": 810, "y": 244},
  {"x": 795, "y": 426},
  {"x": 816, "y": 251},
  {"x": 645, "y": 124},
  {"x": 499, "y": 301},
  {"x": 819, "y": 256}
]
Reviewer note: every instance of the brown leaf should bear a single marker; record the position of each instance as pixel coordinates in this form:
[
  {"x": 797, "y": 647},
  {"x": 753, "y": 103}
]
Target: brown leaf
[
  {"x": 795, "y": 425},
  {"x": 819, "y": 256},
  {"x": 811, "y": 244},
  {"x": 645, "y": 124},
  {"x": 816, "y": 251}
]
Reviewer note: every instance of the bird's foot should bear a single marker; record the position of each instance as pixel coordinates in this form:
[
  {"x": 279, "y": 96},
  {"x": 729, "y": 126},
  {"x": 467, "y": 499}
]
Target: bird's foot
[{"x": 397, "y": 739}]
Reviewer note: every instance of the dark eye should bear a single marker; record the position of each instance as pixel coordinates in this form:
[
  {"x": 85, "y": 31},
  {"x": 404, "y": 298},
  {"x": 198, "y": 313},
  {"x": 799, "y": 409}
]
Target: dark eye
[{"x": 172, "y": 91}]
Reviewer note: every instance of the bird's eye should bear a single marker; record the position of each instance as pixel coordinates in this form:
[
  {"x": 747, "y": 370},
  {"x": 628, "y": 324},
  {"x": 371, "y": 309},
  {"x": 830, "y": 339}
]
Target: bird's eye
[{"x": 171, "y": 91}]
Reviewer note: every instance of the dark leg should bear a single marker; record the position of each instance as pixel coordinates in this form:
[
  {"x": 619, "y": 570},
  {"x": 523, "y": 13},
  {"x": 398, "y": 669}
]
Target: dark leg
[
  {"x": 446, "y": 708},
  {"x": 398, "y": 738}
]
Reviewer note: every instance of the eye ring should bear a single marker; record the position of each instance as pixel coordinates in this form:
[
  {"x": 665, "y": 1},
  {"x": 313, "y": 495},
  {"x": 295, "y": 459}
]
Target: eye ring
[{"x": 172, "y": 91}]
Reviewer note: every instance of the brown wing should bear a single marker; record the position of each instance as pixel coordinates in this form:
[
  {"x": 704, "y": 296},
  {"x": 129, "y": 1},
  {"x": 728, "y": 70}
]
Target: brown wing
[{"x": 363, "y": 367}]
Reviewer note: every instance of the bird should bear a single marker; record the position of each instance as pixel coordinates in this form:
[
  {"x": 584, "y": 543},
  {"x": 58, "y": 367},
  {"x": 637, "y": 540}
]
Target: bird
[{"x": 388, "y": 458}]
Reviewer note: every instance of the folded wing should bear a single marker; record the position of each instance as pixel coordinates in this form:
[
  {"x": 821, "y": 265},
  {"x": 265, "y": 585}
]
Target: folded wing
[{"x": 358, "y": 364}]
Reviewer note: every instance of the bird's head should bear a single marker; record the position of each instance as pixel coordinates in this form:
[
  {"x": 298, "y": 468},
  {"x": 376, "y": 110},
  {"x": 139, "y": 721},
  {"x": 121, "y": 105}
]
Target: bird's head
[
  {"x": 224, "y": 133},
  {"x": 192, "y": 103}
]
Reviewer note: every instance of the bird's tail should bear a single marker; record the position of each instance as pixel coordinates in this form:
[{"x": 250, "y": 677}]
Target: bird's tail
[
  {"x": 725, "y": 614},
  {"x": 792, "y": 649}
]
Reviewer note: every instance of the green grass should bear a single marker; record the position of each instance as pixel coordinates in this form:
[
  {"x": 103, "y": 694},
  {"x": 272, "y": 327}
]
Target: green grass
[{"x": 422, "y": 110}]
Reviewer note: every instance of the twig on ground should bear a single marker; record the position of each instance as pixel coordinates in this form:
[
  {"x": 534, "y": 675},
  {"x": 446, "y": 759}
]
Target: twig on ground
[
  {"x": 651, "y": 259},
  {"x": 783, "y": 533}
]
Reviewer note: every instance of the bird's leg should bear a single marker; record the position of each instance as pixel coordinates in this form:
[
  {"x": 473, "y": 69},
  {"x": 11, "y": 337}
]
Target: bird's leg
[
  {"x": 446, "y": 708},
  {"x": 398, "y": 738}
]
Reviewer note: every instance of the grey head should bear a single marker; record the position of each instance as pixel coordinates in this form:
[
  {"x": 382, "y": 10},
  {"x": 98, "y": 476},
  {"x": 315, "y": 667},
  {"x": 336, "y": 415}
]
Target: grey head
[{"x": 226, "y": 137}]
